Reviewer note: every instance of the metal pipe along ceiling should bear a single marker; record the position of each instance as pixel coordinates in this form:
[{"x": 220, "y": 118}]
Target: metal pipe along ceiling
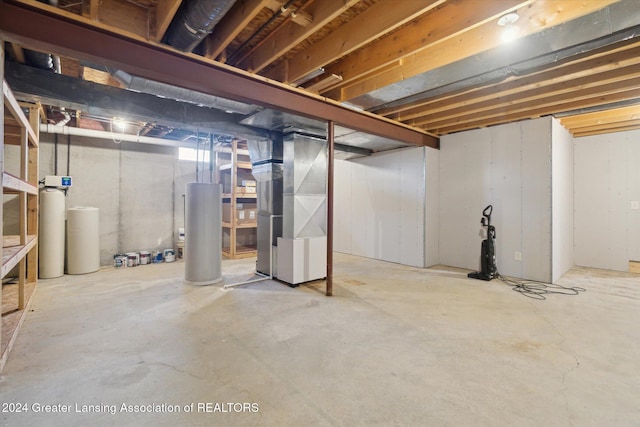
[{"x": 195, "y": 20}]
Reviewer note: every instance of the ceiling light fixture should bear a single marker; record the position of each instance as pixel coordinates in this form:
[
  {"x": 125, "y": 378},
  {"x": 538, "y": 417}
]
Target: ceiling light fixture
[
  {"x": 306, "y": 78},
  {"x": 511, "y": 30}
]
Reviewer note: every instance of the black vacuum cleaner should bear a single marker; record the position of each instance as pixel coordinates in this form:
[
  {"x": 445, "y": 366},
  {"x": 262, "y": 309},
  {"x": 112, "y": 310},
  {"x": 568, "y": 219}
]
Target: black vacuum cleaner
[{"x": 489, "y": 270}]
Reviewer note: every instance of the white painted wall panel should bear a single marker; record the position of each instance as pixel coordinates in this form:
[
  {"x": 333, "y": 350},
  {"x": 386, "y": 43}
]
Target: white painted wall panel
[
  {"x": 432, "y": 198},
  {"x": 342, "y": 206},
  {"x": 618, "y": 206},
  {"x": 536, "y": 199},
  {"x": 507, "y": 166},
  {"x": 412, "y": 191},
  {"x": 506, "y": 195},
  {"x": 360, "y": 206},
  {"x": 562, "y": 200},
  {"x": 607, "y": 230},
  {"x": 386, "y": 199}
]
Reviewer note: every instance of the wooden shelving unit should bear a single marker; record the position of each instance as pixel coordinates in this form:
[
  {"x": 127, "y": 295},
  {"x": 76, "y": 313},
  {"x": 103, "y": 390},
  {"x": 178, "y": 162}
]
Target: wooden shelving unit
[
  {"x": 241, "y": 235},
  {"x": 19, "y": 250}
]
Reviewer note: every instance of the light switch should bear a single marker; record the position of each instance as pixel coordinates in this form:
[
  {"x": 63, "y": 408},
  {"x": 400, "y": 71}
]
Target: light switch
[{"x": 635, "y": 205}]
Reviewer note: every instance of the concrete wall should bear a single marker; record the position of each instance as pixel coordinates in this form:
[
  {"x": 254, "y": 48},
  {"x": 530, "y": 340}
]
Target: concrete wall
[
  {"x": 137, "y": 187},
  {"x": 508, "y": 166},
  {"x": 131, "y": 184},
  {"x": 562, "y": 200},
  {"x": 607, "y": 181},
  {"x": 379, "y": 207}
]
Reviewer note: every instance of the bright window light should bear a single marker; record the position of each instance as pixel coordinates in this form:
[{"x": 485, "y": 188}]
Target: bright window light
[{"x": 189, "y": 154}]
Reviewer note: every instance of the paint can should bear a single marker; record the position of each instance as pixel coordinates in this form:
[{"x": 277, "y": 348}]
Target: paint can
[
  {"x": 145, "y": 257},
  {"x": 119, "y": 260},
  {"x": 169, "y": 255},
  {"x": 132, "y": 259}
]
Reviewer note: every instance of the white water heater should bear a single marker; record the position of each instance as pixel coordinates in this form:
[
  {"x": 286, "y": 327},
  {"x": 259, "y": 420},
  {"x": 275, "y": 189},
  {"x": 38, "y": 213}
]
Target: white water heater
[{"x": 203, "y": 234}]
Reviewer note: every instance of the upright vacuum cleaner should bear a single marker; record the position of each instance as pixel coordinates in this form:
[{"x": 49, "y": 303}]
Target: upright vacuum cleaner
[{"x": 489, "y": 269}]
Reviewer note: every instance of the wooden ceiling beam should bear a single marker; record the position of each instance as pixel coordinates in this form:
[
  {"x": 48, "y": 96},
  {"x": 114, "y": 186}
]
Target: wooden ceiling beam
[
  {"x": 617, "y": 114},
  {"x": 533, "y": 19},
  {"x": 165, "y": 12},
  {"x": 124, "y": 15},
  {"x": 291, "y": 34},
  {"x": 605, "y": 126},
  {"x": 241, "y": 13},
  {"x": 591, "y": 64},
  {"x": 581, "y": 133},
  {"x": 506, "y": 115},
  {"x": 551, "y": 104},
  {"x": 38, "y": 25},
  {"x": 437, "y": 25},
  {"x": 376, "y": 21},
  {"x": 561, "y": 91}
]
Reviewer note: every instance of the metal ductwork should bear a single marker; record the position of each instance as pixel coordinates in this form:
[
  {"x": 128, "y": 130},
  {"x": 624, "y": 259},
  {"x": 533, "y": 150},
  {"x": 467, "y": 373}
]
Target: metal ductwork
[
  {"x": 163, "y": 90},
  {"x": 618, "y": 21},
  {"x": 267, "y": 169},
  {"x": 194, "y": 21}
]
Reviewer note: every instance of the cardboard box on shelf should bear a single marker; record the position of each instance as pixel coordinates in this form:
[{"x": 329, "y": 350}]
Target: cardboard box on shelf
[{"x": 245, "y": 215}]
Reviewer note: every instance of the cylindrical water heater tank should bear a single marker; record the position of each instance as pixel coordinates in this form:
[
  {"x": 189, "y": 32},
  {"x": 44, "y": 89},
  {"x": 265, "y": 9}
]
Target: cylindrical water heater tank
[
  {"x": 51, "y": 234},
  {"x": 203, "y": 234},
  {"x": 83, "y": 240}
]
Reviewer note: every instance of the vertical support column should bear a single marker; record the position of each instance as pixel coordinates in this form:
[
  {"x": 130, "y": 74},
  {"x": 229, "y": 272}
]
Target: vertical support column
[
  {"x": 330, "y": 146},
  {"x": 22, "y": 197},
  {"x": 32, "y": 199},
  {"x": 1, "y": 157},
  {"x": 234, "y": 185}
]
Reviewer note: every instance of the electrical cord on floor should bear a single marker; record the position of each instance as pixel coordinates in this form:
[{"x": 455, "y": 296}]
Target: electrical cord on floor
[{"x": 538, "y": 290}]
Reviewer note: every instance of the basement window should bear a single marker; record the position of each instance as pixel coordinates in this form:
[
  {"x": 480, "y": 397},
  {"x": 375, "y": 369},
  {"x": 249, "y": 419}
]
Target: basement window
[{"x": 190, "y": 154}]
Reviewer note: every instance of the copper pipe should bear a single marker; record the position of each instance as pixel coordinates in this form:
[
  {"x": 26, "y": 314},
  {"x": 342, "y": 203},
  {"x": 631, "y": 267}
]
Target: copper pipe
[{"x": 330, "y": 135}]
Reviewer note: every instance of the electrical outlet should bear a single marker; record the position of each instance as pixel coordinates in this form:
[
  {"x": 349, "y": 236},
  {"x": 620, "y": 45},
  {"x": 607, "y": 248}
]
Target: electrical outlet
[
  {"x": 517, "y": 255},
  {"x": 635, "y": 205}
]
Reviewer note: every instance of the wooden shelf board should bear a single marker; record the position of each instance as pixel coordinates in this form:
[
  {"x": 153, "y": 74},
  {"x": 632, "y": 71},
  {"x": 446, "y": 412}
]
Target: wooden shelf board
[
  {"x": 239, "y": 165},
  {"x": 241, "y": 252},
  {"x": 240, "y": 195},
  {"x": 227, "y": 150},
  {"x": 12, "y": 184},
  {"x": 13, "y": 252},
  {"x": 16, "y": 111},
  {"x": 246, "y": 225},
  {"x": 12, "y": 318}
]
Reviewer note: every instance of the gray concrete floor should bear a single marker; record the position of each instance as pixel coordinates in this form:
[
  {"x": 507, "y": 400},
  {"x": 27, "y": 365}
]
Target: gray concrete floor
[{"x": 395, "y": 346}]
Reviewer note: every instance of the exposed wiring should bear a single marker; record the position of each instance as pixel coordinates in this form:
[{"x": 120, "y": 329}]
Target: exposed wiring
[{"x": 537, "y": 290}]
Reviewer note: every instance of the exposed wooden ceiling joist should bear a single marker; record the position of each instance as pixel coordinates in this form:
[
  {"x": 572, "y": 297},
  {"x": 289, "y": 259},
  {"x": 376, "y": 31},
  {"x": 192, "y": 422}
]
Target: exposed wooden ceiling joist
[
  {"x": 290, "y": 34},
  {"x": 374, "y": 22},
  {"x": 441, "y": 23},
  {"x": 240, "y": 15},
  {"x": 165, "y": 11},
  {"x": 533, "y": 18},
  {"x": 39, "y": 25}
]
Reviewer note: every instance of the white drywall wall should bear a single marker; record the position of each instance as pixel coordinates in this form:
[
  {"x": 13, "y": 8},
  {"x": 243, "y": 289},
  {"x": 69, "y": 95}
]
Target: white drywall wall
[
  {"x": 432, "y": 171},
  {"x": 509, "y": 167},
  {"x": 379, "y": 206},
  {"x": 562, "y": 200},
  {"x": 607, "y": 181}
]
